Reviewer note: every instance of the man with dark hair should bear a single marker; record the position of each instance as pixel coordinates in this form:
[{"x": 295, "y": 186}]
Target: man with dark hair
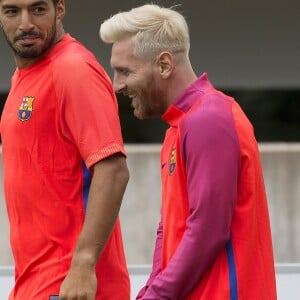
[{"x": 64, "y": 162}]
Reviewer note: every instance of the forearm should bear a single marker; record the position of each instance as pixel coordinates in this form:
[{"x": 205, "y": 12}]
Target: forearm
[
  {"x": 105, "y": 196},
  {"x": 156, "y": 264},
  {"x": 191, "y": 260}
]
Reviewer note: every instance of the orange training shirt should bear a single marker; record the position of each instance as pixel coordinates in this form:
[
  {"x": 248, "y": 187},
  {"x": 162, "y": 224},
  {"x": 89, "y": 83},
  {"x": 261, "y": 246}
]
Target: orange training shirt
[
  {"x": 60, "y": 118},
  {"x": 214, "y": 240}
]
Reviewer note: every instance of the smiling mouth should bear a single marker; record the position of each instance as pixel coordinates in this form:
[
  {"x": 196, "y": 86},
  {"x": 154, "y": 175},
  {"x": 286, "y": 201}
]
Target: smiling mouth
[{"x": 27, "y": 38}]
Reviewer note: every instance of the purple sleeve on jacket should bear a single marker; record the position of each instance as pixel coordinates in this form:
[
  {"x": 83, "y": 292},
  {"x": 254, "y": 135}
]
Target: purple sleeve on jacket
[
  {"x": 156, "y": 264},
  {"x": 211, "y": 153}
]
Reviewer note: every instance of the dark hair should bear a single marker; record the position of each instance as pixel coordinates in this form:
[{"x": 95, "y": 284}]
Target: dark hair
[{"x": 55, "y": 1}]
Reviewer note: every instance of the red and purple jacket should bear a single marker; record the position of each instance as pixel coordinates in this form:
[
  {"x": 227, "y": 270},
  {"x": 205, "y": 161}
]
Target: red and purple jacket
[{"x": 214, "y": 239}]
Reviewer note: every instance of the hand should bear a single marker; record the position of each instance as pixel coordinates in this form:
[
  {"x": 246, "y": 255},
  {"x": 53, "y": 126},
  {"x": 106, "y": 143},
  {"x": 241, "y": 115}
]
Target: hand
[
  {"x": 141, "y": 293},
  {"x": 79, "y": 284}
]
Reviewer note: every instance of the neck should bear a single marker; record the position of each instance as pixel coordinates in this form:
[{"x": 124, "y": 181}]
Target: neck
[{"x": 182, "y": 78}]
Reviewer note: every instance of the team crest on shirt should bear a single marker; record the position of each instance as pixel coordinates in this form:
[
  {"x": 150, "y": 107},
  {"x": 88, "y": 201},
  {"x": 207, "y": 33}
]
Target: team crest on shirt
[
  {"x": 26, "y": 108},
  {"x": 172, "y": 163}
]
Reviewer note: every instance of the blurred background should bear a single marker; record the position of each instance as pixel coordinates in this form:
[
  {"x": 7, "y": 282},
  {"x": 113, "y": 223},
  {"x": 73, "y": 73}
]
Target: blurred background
[{"x": 250, "y": 50}]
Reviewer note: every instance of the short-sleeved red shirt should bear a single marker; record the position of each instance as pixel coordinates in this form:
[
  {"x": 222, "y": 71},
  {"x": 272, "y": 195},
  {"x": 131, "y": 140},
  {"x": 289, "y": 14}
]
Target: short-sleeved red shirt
[{"x": 60, "y": 118}]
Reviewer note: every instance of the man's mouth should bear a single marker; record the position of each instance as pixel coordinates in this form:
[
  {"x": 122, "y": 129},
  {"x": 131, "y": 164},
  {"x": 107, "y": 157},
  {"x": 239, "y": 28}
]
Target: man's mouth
[
  {"x": 28, "y": 40},
  {"x": 131, "y": 96}
]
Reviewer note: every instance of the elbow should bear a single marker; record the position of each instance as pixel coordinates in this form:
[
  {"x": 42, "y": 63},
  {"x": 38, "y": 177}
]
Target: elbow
[
  {"x": 122, "y": 172},
  {"x": 121, "y": 175},
  {"x": 124, "y": 175}
]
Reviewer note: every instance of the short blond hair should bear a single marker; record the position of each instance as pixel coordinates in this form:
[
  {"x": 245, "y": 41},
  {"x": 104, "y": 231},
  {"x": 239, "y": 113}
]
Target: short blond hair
[{"x": 153, "y": 28}]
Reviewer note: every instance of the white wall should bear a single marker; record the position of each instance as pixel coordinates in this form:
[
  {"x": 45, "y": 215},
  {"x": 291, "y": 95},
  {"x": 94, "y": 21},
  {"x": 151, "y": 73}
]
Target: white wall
[{"x": 140, "y": 210}]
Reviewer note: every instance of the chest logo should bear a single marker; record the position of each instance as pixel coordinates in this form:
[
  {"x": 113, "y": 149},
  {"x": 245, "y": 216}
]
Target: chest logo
[
  {"x": 172, "y": 163},
  {"x": 26, "y": 108}
]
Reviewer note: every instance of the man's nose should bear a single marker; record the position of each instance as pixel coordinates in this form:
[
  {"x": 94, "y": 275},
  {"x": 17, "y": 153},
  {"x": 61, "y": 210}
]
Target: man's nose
[
  {"x": 119, "y": 84},
  {"x": 26, "y": 23}
]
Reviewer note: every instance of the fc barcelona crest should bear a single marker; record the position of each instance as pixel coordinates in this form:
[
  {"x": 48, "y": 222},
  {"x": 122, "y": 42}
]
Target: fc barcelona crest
[
  {"x": 172, "y": 164},
  {"x": 26, "y": 108}
]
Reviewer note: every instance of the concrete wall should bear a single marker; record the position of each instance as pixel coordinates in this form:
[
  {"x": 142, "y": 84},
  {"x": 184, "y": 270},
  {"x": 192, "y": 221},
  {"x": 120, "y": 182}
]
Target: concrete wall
[{"x": 140, "y": 211}]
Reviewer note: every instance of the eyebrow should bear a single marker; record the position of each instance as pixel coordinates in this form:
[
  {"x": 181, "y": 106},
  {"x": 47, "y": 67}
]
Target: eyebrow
[
  {"x": 8, "y": 6},
  {"x": 37, "y": 3},
  {"x": 41, "y": 2}
]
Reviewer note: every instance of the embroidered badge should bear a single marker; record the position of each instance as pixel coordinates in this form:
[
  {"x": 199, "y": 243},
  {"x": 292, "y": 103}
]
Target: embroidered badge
[
  {"x": 26, "y": 108},
  {"x": 172, "y": 161}
]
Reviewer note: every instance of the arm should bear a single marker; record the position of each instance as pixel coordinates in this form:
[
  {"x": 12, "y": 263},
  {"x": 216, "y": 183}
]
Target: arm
[
  {"x": 156, "y": 264},
  {"x": 110, "y": 177},
  {"x": 212, "y": 161}
]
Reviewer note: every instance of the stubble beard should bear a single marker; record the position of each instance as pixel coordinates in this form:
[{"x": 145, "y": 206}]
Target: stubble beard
[{"x": 31, "y": 51}]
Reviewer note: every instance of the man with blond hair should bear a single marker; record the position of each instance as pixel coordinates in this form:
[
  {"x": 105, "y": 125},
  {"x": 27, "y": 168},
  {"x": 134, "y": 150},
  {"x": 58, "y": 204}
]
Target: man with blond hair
[{"x": 214, "y": 239}]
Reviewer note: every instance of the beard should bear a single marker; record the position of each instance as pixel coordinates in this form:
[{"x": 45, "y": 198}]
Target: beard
[
  {"x": 31, "y": 51},
  {"x": 151, "y": 100},
  {"x": 149, "y": 104}
]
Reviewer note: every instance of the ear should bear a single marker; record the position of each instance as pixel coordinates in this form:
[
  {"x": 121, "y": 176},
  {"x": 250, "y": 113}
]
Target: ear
[
  {"x": 166, "y": 63},
  {"x": 60, "y": 10}
]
